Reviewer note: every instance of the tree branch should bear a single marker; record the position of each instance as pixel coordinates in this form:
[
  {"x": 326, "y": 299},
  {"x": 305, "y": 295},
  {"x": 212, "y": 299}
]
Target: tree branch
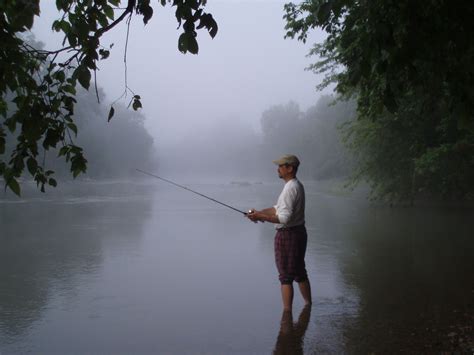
[{"x": 130, "y": 7}]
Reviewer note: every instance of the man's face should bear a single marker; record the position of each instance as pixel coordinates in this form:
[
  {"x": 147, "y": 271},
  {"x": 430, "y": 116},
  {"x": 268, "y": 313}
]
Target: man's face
[{"x": 284, "y": 171}]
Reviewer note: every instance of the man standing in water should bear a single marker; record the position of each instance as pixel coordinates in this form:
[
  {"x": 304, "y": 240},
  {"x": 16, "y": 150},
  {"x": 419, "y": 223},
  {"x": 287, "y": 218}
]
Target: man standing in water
[{"x": 291, "y": 237}]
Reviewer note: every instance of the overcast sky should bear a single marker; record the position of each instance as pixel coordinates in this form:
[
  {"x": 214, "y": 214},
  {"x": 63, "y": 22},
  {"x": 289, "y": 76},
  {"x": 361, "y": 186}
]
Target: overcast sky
[{"x": 244, "y": 70}]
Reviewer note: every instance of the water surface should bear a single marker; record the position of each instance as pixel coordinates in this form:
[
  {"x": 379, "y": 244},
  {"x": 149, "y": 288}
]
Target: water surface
[{"x": 143, "y": 267}]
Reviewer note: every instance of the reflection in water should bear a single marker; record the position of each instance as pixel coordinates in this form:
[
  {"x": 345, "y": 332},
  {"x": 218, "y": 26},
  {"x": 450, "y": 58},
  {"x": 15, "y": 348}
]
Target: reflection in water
[
  {"x": 413, "y": 269},
  {"x": 404, "y": 277},
  {"x": 291, "y": 335},
  {"x": 139, "y": 269},
  {"x": 47, "y": 246}
]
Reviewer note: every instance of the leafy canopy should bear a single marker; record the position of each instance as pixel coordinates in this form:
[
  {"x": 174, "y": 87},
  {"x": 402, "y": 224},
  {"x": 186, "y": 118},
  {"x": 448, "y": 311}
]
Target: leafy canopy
[
  {"x": 410, "y": 66},
  {"x": 38, "y": 87}
]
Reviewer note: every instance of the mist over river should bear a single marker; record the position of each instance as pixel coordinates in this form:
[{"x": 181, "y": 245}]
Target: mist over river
[{"x": 144, "y": 267}]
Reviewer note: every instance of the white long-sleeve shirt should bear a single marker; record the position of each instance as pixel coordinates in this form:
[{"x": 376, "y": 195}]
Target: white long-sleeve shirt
[{"x": 290, "y": 204}]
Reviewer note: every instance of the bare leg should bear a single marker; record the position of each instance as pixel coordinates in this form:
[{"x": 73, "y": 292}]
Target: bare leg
[
  {"x": 305, "y": 289},
  {"x": 287, "y": 296}
]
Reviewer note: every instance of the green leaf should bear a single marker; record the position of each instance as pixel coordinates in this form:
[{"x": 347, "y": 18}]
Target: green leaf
[
  {"x": 56, "y": 26},
  {"x": 78, "y": 165},
  {"x": 72, "y": 127},
  {"x": 136, "y": 104},
  {"x": 61, "y": 25},
  {"x": 83, "y": 75},
  {"x": 147, "y": 13},
  {"x": 102, "y": 19},
  {"x": 209, "y": 23},
  {"x": 323, "y": 12},
  {"x": 32, "y": 165},
  {"x": 72, "y": 39},
  {"x": 212, "y": 27},
  {"x": 14, "y": 186},
  {"x": 52, "y": 182},
  {"x": 109, "y": 12},
  {"x": 193, "y": 46},
  {"x": 183, "y": 43},
  {"x": 52, "y": 137},
  {"x": 69, "y": 89},
  {"x": 63, "y": 151},
  {"x": 193, "y": 4},
  {"x": 81, "y": 28},
  {"x": 25, "y": 20},
  {"x": 65, "y": 26},
  {"x": 104, "y": 54},
  {"x": 60, "y": 76},
  {"x": 62, "y": 4},
  {"x": 111, "y": 113},
  {"x": 187, "y": 42}
]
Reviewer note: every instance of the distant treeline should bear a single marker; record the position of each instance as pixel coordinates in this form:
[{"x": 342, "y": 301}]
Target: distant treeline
[
  {"x": 314, "y": 135},
  {"x": 327, "y": 137},
  {"x": 232, "y": 149}
]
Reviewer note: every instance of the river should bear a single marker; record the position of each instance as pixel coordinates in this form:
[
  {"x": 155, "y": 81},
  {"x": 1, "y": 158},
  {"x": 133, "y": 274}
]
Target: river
[{"x": 144, "y": 267}]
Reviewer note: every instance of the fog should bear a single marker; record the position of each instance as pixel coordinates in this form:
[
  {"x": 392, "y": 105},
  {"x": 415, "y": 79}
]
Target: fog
[
  {"x": 111, "y": 264},
  {"x": 204, "y": 111}
]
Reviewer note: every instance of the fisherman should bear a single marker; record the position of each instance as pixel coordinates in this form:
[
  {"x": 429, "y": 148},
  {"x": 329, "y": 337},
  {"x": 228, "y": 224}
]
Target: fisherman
[{"x": 291, "y": 237}]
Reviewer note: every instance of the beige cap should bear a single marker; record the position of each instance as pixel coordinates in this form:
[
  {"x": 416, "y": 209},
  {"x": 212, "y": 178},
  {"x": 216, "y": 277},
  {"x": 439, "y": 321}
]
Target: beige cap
[{"x": 288, "y": 159}]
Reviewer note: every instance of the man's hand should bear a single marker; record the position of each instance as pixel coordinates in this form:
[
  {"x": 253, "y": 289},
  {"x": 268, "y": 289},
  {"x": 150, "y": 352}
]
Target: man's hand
[
  {"x": 253, "y": 215},
  {"x": 265, "y": 215}
]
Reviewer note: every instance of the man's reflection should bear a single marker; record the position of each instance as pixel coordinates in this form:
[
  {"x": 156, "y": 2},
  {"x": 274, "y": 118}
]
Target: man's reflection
[{"x": 290, "y": 338}]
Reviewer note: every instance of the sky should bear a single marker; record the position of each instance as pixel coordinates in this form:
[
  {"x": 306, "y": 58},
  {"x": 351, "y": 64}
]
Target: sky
[{"x": 247, "y": 68}]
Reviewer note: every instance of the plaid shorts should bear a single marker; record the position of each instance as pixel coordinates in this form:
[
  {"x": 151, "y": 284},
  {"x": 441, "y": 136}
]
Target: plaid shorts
[{"x": 290, "y": 249}]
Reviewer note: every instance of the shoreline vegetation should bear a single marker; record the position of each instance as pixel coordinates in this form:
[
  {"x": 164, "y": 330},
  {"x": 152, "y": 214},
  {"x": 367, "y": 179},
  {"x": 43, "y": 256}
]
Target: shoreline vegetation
[{"x": 336, "y": 187}]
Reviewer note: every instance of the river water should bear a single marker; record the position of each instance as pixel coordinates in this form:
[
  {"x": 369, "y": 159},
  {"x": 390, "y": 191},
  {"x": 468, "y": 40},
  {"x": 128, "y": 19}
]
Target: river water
[{"x": 145, "y": 267}]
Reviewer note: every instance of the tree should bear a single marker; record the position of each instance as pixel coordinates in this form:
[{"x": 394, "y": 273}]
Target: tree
[
  {"x": 323, "y": 141},
  {"x": 409, "y": 64},
  {"x": 313, "y": 135},
  {"x": 38, "y": 87},
  {"x": 114, "y": 148}
]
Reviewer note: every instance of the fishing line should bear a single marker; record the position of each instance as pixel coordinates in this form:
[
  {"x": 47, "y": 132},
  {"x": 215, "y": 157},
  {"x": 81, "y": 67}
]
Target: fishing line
[{"x": 188, "y": 189}]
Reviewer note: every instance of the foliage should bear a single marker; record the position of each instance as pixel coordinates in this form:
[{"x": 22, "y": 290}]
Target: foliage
[
  {"x": 234, "y": 151},
  {"x": 409, "y": 64},
  {"x": 113, "y": 148},
  {"x": 38, "y": 87},
  {"x": 313, "y": 135}
]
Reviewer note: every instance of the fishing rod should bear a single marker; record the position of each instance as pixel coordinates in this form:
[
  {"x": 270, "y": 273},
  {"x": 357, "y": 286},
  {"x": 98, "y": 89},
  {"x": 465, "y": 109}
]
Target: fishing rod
[{"x": 197, "y": 193}]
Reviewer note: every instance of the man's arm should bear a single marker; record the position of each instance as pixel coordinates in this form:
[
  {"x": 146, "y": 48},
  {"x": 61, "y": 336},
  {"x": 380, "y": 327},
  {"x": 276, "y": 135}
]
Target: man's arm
[{"x": 265, "y": 215}]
